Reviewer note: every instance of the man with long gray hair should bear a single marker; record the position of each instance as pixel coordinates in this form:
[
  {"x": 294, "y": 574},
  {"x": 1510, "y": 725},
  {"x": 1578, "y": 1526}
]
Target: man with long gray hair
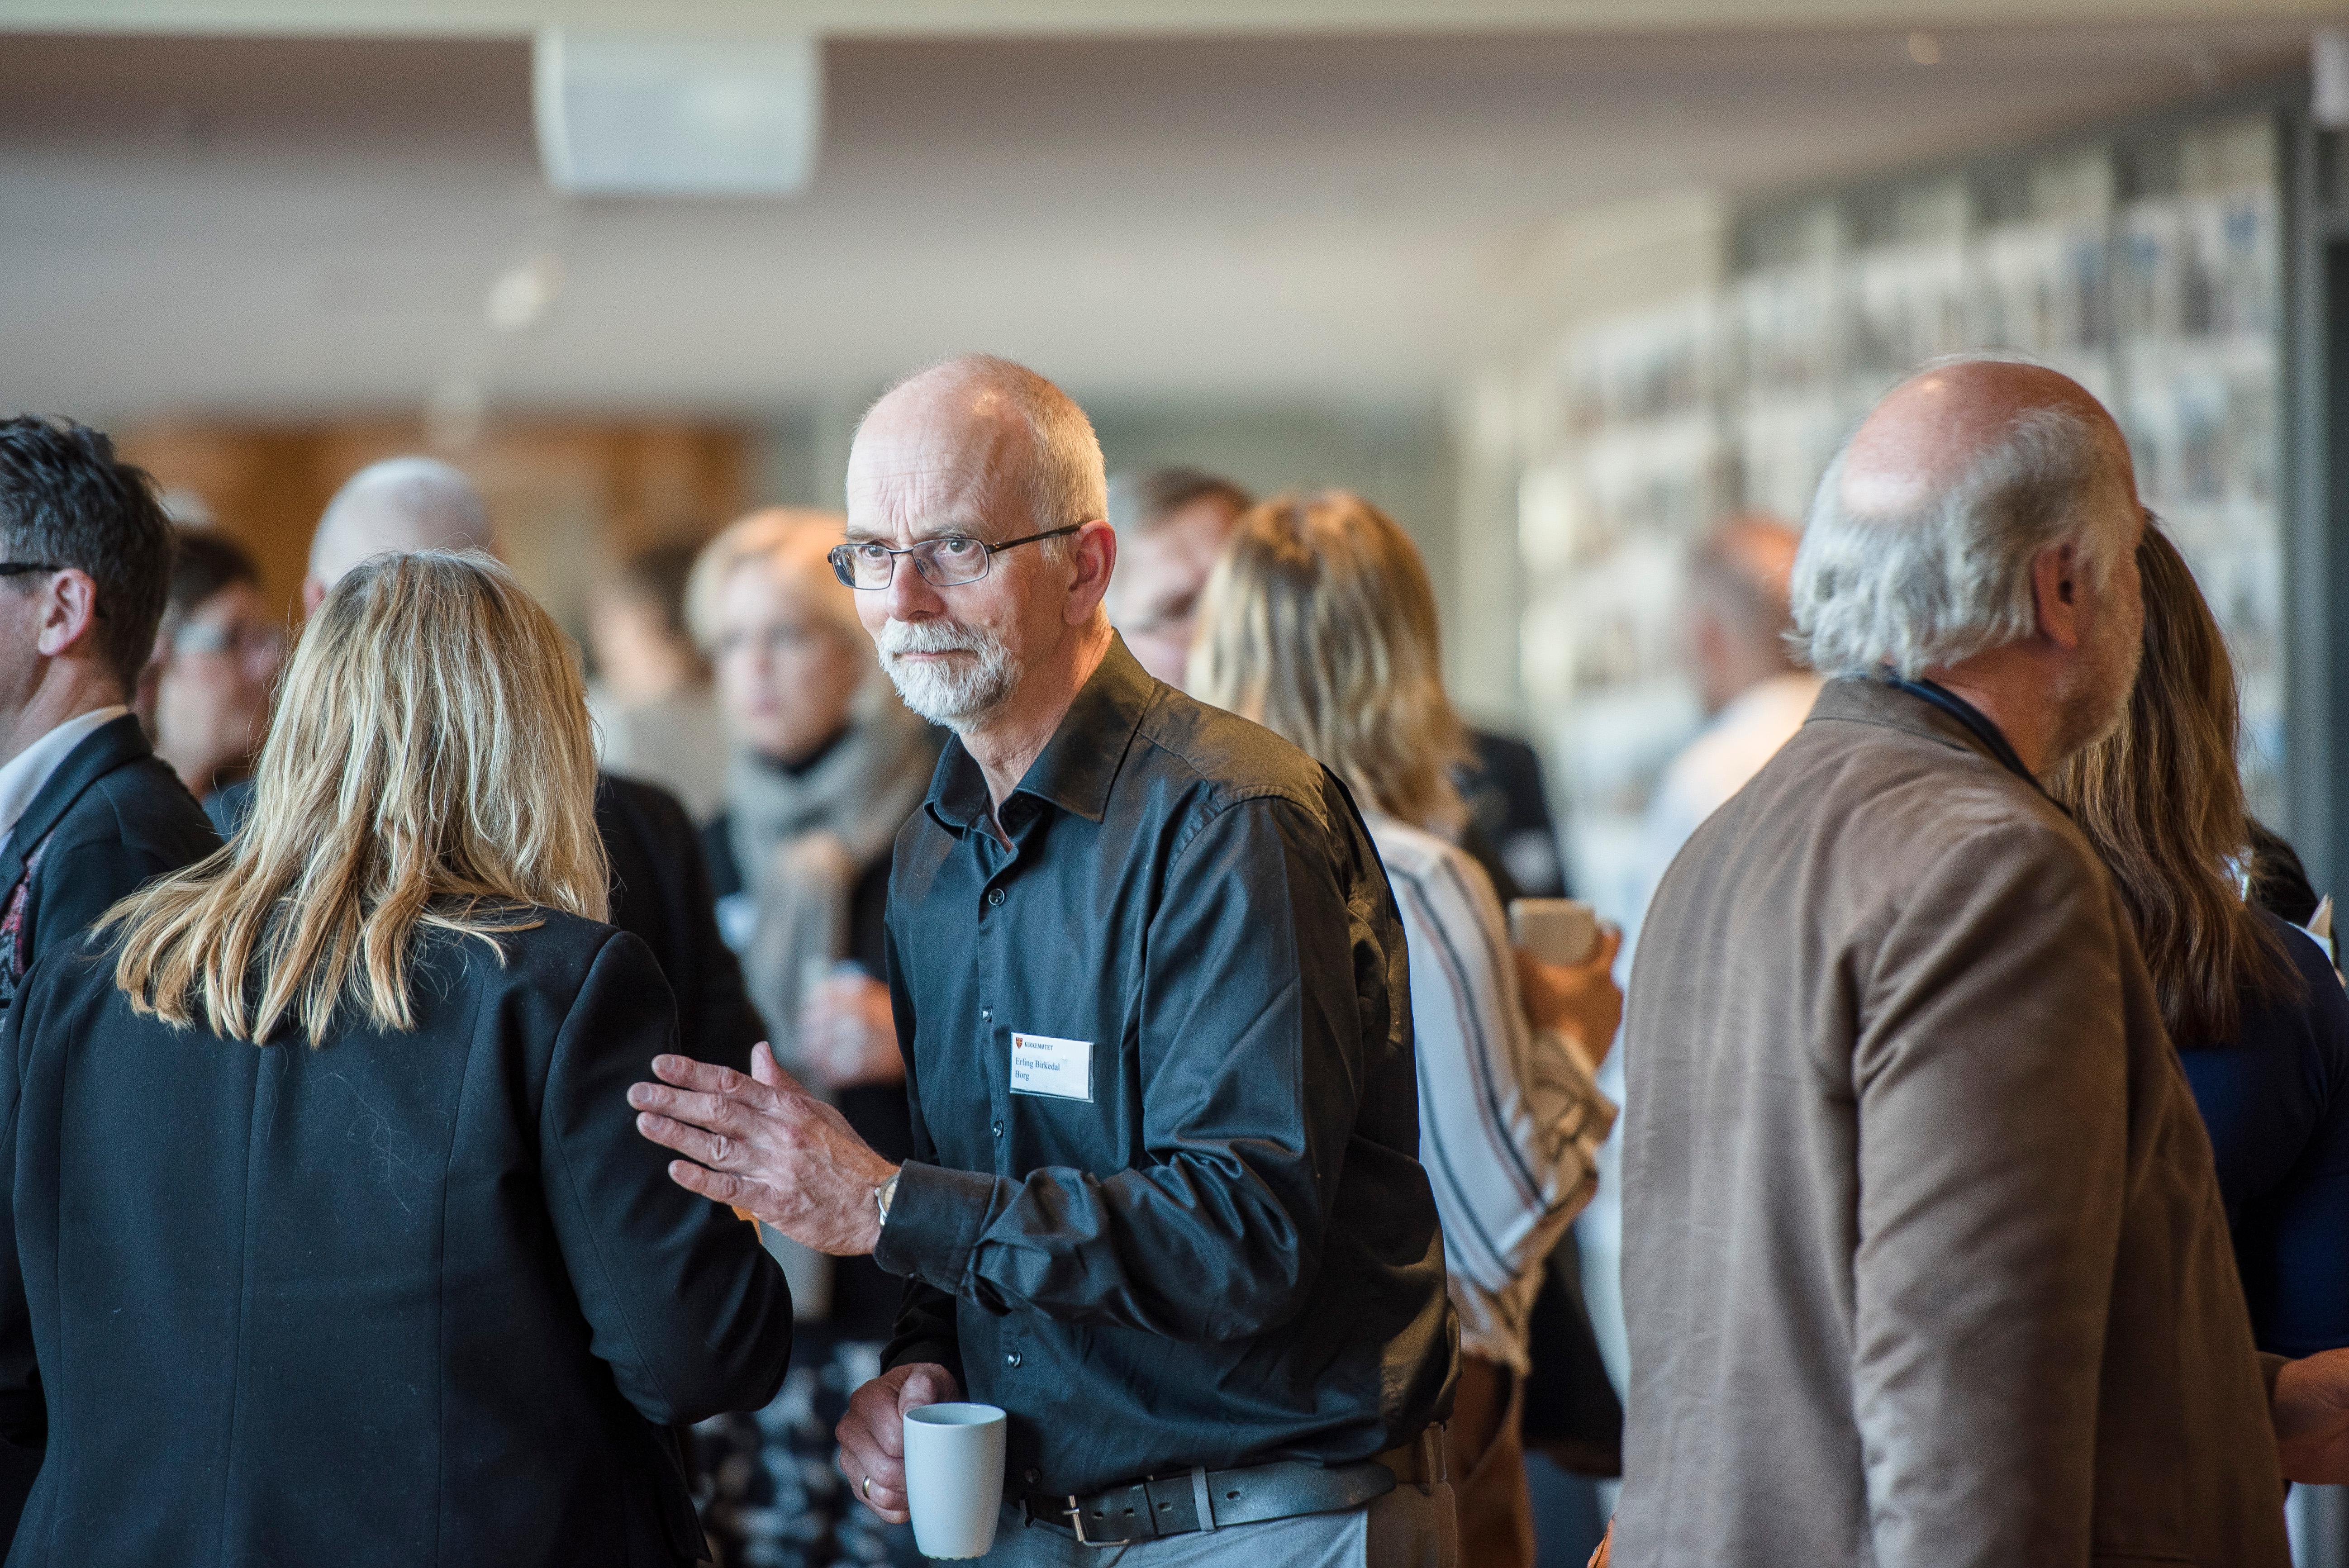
[{"x": 1924, "y": 1256}]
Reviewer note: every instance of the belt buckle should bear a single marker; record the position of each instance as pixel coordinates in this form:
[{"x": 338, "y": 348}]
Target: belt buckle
[{"x": 1076, "y": 1513}]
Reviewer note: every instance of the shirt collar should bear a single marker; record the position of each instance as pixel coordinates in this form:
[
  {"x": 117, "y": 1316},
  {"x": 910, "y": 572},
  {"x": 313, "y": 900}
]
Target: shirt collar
[
  {"x": 1078, "y": 765},
  {"x": 23, "y": 775}
]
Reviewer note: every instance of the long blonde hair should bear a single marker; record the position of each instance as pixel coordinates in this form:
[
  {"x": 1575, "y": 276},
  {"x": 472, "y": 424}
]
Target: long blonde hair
[
  {"x": 1319, "y": 623},
  {"x": 431, "y": 765}
]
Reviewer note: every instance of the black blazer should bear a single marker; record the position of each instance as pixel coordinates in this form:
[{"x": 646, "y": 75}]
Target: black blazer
[
  {"x": 112, "y": 817},
  {"x": 660, "y": 891},
  {"x": 401, "y": 1300}
]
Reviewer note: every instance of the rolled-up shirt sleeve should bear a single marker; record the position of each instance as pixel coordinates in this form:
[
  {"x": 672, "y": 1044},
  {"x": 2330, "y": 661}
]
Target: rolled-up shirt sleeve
[{"x": 1261, "y": 956}]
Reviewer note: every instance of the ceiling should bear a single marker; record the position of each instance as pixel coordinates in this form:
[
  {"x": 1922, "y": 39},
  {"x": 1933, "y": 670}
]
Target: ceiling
[
  {"x": 971, "y": 18},
  {"x": 290, "y": 226}
]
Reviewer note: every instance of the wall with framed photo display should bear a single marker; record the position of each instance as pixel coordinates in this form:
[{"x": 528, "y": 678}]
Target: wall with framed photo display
[{"x": 2147, "y": 260}]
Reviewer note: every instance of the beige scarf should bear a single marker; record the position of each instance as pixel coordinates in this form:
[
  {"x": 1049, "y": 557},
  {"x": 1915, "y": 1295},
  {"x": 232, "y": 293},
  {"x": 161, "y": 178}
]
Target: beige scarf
[{"x": 802, "y": 842}]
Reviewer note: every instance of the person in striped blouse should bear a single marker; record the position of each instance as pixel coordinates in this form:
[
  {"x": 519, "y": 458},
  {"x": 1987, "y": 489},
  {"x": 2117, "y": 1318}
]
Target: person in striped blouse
[{"x": 1319, "y": 623}]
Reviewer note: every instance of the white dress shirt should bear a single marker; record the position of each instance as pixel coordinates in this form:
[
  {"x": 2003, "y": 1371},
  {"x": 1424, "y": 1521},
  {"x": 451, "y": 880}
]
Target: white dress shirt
[
  {"x": 1728, "y": 752},
  {"x": 23, "y": 775},
  {"x": 1509, "y": 1119}
]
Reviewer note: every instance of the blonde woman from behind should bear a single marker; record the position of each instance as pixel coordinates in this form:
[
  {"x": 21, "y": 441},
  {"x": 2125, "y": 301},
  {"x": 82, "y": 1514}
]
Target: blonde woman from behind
[
  {"x": 334, "y": 1238},
  {"x": 1319, "y": 624}
]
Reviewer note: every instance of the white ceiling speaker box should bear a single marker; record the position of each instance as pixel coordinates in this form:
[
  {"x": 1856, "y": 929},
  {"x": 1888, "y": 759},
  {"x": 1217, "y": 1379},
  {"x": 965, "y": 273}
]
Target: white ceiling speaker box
[{"x": 624, "y": 113}]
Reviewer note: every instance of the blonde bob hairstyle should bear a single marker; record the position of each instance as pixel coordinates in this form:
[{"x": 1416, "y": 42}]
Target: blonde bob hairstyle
[
  {"x": 1319, "y": 623},
  {"x": 429, "y": 766},
  {"x": 792, "y": 543}
]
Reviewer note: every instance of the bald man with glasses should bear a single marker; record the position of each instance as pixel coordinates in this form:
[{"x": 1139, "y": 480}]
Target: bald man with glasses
[{"x": 1165, "y": 1207}]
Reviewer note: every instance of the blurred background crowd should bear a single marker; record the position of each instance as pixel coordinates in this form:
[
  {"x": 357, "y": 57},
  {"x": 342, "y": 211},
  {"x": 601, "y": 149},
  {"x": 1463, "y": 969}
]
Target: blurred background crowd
[{"x": 1581, "y": 295}]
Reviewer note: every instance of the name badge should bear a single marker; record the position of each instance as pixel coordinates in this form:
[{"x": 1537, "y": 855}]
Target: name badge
[{"x": 1042, "y": 1065}]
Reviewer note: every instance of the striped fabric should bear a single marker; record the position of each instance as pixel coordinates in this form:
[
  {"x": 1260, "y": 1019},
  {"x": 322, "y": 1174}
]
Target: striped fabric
[{"x": 1510, "y": 1119}]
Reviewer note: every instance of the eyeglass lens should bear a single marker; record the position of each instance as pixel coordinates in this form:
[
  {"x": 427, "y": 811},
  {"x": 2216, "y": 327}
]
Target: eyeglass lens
[{"x": 945, "y": 561}]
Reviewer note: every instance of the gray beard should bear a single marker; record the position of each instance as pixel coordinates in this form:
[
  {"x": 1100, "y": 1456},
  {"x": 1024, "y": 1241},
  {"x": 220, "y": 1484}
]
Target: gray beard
[{"x": 956, "y": 696}]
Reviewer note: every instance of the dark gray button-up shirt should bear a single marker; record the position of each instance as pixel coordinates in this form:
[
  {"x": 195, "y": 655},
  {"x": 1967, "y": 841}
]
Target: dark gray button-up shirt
[{"x": 1165, "y": 1207}]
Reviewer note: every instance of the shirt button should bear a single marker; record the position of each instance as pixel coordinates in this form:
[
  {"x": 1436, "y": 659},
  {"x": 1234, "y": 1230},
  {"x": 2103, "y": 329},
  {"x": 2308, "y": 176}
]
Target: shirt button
[
  {"x": 1034, "y": 1475},
  {"x": 1012, "y": 1358},
  {"x": 994, "y": 898},
  {"x": 986, "y": 1015},
  {"x": 998, "y": 1130}
]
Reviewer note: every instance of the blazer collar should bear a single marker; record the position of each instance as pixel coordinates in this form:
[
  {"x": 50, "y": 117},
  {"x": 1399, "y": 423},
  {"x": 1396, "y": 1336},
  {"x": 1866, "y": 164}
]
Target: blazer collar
[
  {"x": 1870, "y": 700},
  {"x": 108, "y": 747}
]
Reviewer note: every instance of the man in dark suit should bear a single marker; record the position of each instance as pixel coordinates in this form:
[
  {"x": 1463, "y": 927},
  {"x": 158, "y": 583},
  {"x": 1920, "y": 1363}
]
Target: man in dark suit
[
  {"x": 86, "y": 811},
  {"x": 660, "y": 883}
]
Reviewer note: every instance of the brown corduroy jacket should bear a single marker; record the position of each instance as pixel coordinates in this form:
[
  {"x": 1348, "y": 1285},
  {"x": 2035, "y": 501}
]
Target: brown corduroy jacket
[{"x": 1925, "y": 1265}]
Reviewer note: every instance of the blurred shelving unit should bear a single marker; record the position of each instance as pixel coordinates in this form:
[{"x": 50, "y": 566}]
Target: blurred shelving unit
[{"x": 2147, "y": 259}]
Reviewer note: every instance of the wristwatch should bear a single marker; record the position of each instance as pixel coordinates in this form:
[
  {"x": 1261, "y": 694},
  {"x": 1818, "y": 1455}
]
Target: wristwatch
[{"x": 885, "y": 1194}]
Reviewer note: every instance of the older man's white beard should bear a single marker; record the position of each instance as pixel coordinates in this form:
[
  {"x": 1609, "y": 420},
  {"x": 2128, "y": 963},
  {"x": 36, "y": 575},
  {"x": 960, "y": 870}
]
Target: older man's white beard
[{"x": 956, "y": 693}]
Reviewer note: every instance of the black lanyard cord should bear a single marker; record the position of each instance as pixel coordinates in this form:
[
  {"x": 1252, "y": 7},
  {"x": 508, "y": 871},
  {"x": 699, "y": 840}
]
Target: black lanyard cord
[{"x": 1973, "y": 718}]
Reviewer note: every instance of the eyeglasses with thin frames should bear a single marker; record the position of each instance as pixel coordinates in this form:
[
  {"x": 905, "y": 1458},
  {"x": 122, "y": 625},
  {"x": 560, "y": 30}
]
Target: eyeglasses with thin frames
[{"x": 949, "y": 560}]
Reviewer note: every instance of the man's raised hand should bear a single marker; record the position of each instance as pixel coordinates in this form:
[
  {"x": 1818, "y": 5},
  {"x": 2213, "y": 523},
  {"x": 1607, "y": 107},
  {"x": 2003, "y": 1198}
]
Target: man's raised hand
[{"x": 766, "y": 1145}]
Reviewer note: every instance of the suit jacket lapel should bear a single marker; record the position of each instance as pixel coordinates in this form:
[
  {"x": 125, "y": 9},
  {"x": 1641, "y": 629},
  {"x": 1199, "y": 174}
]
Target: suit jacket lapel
[{"x": 101, "y": 751}]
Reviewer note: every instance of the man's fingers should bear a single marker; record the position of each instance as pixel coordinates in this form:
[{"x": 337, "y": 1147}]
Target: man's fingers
[
  {"x": 717, "y": 1113},
  {"x": 715, "y": 1185},
  {"x": 860, "y": 1462},
  {"x": 709, "y": 1148},
  {"x": 707, "y": 1078},
  {"x": 926, "y": 1385},
  {"x": 860, "y": 1455}
]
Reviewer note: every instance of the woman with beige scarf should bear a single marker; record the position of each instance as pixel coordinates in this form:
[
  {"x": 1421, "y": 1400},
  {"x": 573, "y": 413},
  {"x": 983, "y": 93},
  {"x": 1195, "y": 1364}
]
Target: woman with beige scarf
[{"x": 827, "y": 765}]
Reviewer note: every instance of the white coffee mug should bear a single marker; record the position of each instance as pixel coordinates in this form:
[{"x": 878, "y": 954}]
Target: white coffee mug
[
  {"x": 953, "y": 1477},
  {"x": 1554, "y": 930}
]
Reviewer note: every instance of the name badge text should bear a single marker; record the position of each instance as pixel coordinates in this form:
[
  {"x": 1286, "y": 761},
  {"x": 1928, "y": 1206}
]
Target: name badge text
[{"x": 1042, "y": 1065}]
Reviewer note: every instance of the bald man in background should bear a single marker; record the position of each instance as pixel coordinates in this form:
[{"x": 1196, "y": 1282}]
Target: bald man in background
[
  {"x": 400, "y": 503},
  {"x": 1925, "y": 1261},
  {"x": 1755, "y": 694}
]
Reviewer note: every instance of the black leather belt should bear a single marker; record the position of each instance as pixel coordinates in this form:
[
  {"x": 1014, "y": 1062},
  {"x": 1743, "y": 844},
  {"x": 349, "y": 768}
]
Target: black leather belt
[{"x": 1201, "y": 1500}]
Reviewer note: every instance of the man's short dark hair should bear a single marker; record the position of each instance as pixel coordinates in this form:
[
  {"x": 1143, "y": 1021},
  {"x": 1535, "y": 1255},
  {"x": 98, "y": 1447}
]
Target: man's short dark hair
[
  {"x": 66, "y": 499},
  {"x": 1140, "y": 500},
  {"x": 203, "y": 563}
]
